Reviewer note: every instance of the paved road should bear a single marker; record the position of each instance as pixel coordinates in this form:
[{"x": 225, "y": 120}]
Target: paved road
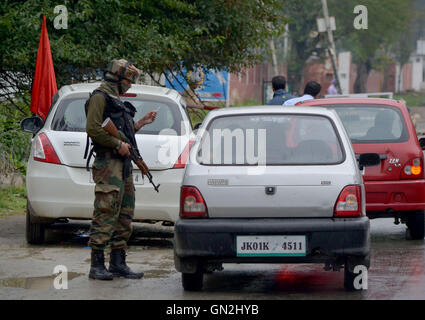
[{"x": 397, "y": 270}]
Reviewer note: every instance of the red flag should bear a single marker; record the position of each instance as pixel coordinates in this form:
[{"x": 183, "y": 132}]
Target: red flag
[{"x": 44, "y": 83}]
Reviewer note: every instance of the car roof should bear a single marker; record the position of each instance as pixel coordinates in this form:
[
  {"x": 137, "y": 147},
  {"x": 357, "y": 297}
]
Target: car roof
[
  {"x": 135, "y": 88},
  {"x": 332, "y": 101},
  {"x": 271, "y": 109}
]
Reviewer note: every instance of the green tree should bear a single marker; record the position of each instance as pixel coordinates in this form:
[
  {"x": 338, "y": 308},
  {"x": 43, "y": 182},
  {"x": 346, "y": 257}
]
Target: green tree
[
  {"x": 302, "y": 15},
  {"x": 406, "y": 41},
  {"x": 158, "y": 35},
  {"x": 387, "y": 20}
]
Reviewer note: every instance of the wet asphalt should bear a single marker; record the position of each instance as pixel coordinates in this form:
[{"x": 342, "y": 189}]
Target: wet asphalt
[{"x": 26, "y": 272}]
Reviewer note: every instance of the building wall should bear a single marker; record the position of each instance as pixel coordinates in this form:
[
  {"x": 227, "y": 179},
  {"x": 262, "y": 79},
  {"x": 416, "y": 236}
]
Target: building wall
[
  {"x": 320, "y": 72},
  {"x": 248, "y": 84},
  {"x": 407, "y": 77},
  {"x": 374, "y": 81},
  {"x": 417, "y": 73}
]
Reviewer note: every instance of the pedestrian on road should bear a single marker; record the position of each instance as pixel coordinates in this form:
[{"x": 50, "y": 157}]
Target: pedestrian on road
[
  {"x": 332, "y": 90},
  {"x": 279, "y": 93},
  {"x": 311, "y": 91},
  {"x": 112, "y": 171}
]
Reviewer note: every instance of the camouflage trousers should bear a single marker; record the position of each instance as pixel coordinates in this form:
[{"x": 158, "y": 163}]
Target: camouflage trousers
[{"x": 113, "y": 204}]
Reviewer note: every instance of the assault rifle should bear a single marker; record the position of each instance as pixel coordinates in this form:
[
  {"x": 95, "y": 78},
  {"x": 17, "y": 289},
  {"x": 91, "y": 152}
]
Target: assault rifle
[{"x": 135, "y": 156}]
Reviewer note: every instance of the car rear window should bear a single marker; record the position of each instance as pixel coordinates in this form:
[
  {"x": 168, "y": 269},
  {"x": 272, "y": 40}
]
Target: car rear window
[
  {"x": 270, "y": 139},
  {"x": 372, "y": 123},
  {"x": 70, "y": 116}
]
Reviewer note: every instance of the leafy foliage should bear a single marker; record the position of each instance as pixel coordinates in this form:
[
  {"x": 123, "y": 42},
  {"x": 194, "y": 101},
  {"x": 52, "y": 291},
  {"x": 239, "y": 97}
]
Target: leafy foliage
[
  {"x": 373, "y": 47},
  {"x": 157, "y": 35},
  {"x": 12, "y": 201},
  {"x": 302, "y": 20},
  {"x": 388, "y": 21},
  {"x": 14, "y": 143}
]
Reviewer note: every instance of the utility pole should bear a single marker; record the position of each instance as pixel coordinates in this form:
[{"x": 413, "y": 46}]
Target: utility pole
[{"x": 331, "y": 47}]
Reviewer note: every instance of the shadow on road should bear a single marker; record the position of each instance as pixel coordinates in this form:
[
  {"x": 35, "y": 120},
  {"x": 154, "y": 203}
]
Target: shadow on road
[{"x": 76, "y": 234}]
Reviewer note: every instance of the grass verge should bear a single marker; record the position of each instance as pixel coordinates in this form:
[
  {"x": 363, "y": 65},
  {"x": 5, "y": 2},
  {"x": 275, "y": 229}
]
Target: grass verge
[
  {"x": 413, "y": 99},
  {"x": 13, "y": 201}
]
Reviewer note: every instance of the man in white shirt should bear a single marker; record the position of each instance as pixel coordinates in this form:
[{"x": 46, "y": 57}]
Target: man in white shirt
[
  {"x": 311, "y": 91},
  {"x": 332, "y": 90}
]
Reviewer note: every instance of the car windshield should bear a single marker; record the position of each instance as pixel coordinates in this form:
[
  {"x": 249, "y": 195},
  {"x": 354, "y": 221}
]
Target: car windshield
[
  {"x": 270, "y": 139},
  {"x": 372, "y": 123},
  {"x": 70, "y": 116}
]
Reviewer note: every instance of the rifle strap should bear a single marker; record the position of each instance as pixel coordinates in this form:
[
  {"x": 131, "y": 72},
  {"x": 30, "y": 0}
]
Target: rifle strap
[
  {"x": 88, "y": 159},
  {"x": 87, "y": 147},
  {"x": 87, "y": 153}
]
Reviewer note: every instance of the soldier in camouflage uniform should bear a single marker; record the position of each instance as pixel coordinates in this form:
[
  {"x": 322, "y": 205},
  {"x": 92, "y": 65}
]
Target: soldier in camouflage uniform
[{"x": 114, "y": 190}]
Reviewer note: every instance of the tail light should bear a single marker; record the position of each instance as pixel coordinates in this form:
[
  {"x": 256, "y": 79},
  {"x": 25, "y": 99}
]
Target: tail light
[
  {"x": 131, "y": 95},
  {"x": 181, "y": 161},
  {"x": 349, "y": 203},
  {"x": 192, "y": 204},
  {"x": 44, "y": 151},
  {"x": 413, "y": 169}
]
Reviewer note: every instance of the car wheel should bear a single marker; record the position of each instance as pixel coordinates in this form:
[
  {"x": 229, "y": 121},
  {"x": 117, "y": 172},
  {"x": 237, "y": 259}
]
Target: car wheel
[
  {"x": 416, "y": 225},
  {"x": 350, "y": 276},
  {"x": 34, "y": 231},
  {"x": 193, "y": 281}
]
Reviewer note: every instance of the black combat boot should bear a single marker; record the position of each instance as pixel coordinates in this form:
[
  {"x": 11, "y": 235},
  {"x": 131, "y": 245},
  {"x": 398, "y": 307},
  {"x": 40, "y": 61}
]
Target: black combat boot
[
  {"x": 98, "y": 270},
  {"x": 119, "y": 268}
]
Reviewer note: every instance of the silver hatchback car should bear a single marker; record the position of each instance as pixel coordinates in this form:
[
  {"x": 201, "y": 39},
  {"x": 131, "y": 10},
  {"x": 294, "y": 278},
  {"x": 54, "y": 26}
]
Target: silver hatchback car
[{"x": 272, "y": 185}]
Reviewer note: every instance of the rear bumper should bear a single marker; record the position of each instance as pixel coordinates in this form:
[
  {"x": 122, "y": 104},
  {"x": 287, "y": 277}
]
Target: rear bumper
[
  {"x": 403, "y": 195},
  {"x": 59, "y": 191},
  {"x": 326, "y": 238}
]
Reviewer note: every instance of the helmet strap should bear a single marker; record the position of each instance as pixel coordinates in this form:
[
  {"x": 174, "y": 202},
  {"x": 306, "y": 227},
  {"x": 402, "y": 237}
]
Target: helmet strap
[
  {"x": 122, "y": 74},
  {"x": 120, "y": 91}
]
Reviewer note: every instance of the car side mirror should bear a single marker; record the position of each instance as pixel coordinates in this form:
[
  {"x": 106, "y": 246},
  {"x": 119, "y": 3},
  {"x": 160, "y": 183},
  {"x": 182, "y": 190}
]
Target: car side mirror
[
  {"x": 197, "y": 126},
  {"x": 422, "y": 143},
  {"x": 369, "y": 160},
  {"x": 32, "y": 125}
]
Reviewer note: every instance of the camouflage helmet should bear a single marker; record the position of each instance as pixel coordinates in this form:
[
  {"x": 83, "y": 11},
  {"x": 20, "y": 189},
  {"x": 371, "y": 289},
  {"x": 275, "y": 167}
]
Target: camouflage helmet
[{"x": 121, "y": 69}]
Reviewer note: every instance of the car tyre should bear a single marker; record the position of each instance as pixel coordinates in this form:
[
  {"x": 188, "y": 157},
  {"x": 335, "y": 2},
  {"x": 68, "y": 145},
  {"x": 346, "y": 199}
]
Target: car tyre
[
  {"x": 416, "y": 225},
  {"x": 193, "y": 281},
  {"x": 34, "y": 231}
]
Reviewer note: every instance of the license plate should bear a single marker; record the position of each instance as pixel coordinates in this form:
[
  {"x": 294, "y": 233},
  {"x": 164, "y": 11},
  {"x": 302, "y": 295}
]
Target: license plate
[
  {"x": 137, "y": 178},
  {"x": 270, "y": 246}
]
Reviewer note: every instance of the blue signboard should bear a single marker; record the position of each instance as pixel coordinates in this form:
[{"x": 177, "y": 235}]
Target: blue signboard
[{"x": 212, "y": 85}]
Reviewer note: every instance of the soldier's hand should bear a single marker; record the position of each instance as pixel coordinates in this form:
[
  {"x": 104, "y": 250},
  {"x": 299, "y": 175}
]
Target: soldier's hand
[
  {"x": 125, "y": 149},
  {"x": 149, "y": 117}
]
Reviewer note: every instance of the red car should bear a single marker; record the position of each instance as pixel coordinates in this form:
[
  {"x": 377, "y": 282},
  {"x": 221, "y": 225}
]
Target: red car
[{"x": 396, "y": 188}]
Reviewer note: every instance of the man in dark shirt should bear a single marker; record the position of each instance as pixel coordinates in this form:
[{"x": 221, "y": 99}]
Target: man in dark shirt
[{"x": 280, "y": 95}]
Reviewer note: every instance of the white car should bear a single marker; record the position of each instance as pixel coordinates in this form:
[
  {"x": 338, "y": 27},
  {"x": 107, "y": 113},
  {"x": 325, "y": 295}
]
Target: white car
[
  {"x": 60, "y": 187},
  {"x": 272, "y": 185}
]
